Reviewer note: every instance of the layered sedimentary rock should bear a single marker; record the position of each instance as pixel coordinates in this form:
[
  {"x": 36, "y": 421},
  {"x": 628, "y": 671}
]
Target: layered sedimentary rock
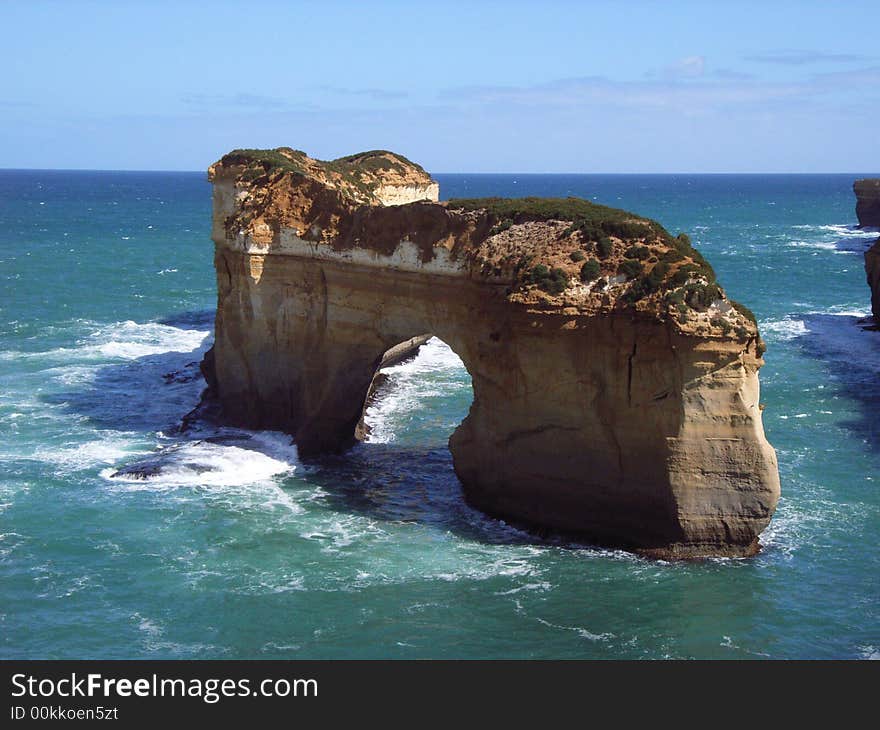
[{"x": 615, "y": 385}]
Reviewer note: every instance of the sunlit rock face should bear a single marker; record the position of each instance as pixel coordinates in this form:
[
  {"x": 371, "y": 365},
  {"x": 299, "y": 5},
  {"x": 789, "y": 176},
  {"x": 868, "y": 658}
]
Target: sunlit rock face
[{"x": 615, "y": 385}]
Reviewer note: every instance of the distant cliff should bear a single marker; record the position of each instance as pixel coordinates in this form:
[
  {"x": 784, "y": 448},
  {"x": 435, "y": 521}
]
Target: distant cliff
[
  {"x": 872, "y": 269},
  {"x": 868, "y": 201},
  {"x": 615, "y": 385},
  {"x": 868, "y": 212}
]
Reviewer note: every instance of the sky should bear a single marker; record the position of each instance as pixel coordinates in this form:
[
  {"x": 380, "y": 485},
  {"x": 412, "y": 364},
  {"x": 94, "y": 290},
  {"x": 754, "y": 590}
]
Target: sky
[{"x": 477, "y": 86}]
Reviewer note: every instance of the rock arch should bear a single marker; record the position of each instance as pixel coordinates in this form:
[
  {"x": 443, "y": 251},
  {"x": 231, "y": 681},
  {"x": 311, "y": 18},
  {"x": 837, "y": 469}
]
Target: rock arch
[{"x": 624, "y": 409}]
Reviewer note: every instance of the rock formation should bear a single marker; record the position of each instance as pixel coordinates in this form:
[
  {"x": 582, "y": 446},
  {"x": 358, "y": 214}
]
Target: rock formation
[
  {"x": 868, "y": 212},
  {"x": 868, "y": 201},
  {"x": 615, "y": 385},
  {"x": 872, "y": 269}
]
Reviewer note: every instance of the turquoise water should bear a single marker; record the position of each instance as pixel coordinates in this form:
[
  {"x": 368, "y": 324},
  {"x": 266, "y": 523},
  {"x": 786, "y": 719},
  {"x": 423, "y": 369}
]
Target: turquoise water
[{"x": 234, "y": 549}]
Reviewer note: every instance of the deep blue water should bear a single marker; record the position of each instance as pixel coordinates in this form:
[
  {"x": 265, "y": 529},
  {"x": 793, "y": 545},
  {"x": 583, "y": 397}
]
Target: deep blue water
[{"x": 105, "y": 308}]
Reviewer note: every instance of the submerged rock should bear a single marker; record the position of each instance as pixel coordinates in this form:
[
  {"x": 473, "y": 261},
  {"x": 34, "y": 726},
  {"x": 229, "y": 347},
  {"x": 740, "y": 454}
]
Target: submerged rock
[
  {"x": 162, "y": 462},
  {"x": 615, "y": 385}
]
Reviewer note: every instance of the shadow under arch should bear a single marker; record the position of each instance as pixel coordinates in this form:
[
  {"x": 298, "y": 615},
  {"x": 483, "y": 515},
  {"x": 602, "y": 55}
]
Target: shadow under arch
[{"x": 401, "y": 470}]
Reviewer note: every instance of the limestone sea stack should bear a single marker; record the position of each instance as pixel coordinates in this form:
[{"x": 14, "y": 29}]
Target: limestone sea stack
[
  {"x": 872, "y": 269},
  {"x": 868, "y": 212},
  {"x": 868, "y": 201},
  {"x": 615, "y": 385}
]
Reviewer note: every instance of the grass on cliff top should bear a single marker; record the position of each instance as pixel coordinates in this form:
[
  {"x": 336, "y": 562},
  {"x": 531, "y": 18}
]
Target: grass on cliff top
[
  {"x": 534, "y": 209},
  {"x": 591, "y": 220},
  {"x": 595, "y": 223},
  {"x": 374, "y": 160},
  {"x": 268, "y": 159},
  {"x": 287, "y": 159}
]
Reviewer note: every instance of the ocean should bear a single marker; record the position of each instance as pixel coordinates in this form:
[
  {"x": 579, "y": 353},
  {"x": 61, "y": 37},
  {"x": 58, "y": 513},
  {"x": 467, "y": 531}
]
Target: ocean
[{"x": 239, "y": 551}]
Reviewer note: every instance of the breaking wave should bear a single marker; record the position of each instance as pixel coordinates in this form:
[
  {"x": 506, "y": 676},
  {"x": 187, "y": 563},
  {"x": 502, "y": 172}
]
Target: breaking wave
[{"x": 435, "y": 372}]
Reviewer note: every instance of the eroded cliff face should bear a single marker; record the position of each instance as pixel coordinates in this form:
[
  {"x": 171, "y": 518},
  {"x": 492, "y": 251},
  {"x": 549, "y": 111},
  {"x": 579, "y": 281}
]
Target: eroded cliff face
[
  {"x": 615, "y": 386},
  {"x": 868, "y": 212},
  {"x": 872, "y": 269},
  {"x": 867, "y": 201}
]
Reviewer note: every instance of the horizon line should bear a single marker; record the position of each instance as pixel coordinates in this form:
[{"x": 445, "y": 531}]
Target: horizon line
[{"x": 677, "y": 172}]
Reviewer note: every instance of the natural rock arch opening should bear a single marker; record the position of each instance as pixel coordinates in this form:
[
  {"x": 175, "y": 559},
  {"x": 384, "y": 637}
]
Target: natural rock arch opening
[
  {"x": 420, "y": 394},
  {"x": 615, "y": 389}
]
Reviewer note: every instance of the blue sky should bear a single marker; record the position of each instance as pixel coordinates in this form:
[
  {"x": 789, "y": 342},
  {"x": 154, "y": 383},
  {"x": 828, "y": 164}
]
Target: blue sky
[{"x": 457, "y": 86}]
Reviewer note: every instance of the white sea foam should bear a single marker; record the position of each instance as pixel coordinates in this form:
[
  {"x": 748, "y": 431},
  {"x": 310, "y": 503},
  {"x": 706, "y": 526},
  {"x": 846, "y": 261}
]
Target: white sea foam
[
  {"x": 110, "y": 448},
  {"x": 844, "y": 310},
  {"x": 840, "y": 229},
  {"x": 435, "y": 371},
  {"x": 839, "y": 337},
  {"x": 336, "y": 533},
  {"x": 835, "y": 332},
  {"x": 728, "y": 643},
  {"x": 73, "y": 374},
  {"x": 130, "y": 340},
  {"x": 837, "y": 238},
  {"x": 259, "y": 458},
  {"x": 580, "y": 631},
  {"x": 229, "y": 462},
  {"x": 434, "y": 356},
  {"x": 121, "y": 341},
  {"x": 824, "y": 245},
  {"x": 782, "y": 330}
]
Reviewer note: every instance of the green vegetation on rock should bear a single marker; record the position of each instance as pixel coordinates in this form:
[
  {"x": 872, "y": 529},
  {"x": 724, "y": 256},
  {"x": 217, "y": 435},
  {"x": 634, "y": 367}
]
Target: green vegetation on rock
[
  {"x": 260, "y": 162},
  {"x": 682, "y": 244},
  {"x": 630, "y": 267},
  {"x": 373, "y": 161},
  {"x": 591, "y": 220},
  {"x": 744, "y": 311},
  {"x": 552, "y": 281},
  {"x": 501, "y": 226},
  {"x": 590, "y": 270},
  {"x": 604, "y": 247},
  {"x": 352, "y": 168}
]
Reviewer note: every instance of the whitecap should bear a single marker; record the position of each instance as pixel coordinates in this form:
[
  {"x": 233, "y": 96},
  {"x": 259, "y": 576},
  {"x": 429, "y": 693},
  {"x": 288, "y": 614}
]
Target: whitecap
[
  {"x": 106, "y": 450},
  {"x": 121, "y": 341},
  {"x": 436, "y": 371},
  {"x": 782, "y": 330},
  {"x": 207, "y": 464},
  {"x": 824, "y": 245},
  {"x": 844, "y": 229},
  {"x": 130, "y": 340},
  {"x": 838, "y": 335}
]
